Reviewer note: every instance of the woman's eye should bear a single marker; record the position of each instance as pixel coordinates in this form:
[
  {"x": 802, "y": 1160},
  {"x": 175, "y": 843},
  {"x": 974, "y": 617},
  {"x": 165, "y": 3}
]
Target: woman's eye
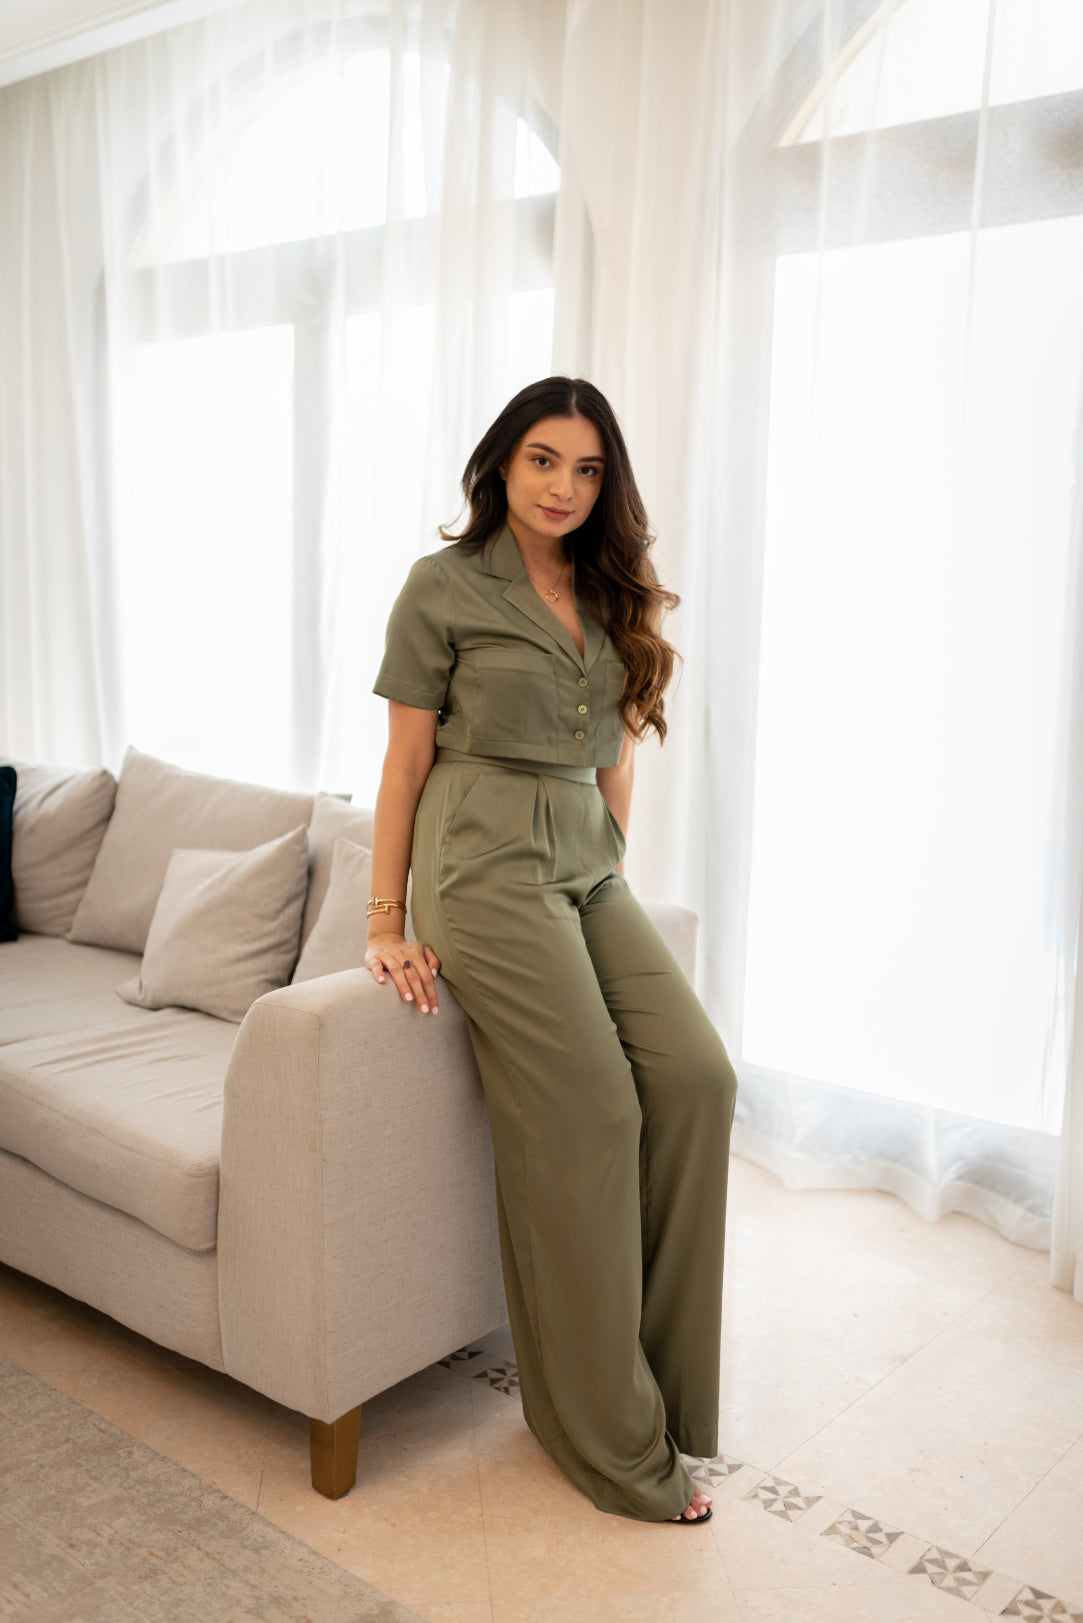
[
  {"x": 592, "y": 471},
  {"x": 540, "y": 459}
]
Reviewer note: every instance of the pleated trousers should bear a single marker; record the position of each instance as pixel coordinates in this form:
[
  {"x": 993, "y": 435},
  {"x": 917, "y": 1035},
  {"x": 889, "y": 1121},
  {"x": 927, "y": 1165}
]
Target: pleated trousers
[{"x": 610, "y": 1099}]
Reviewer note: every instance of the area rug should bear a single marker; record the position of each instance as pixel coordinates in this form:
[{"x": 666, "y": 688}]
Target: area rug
[{"x": 95, "y": 1527}]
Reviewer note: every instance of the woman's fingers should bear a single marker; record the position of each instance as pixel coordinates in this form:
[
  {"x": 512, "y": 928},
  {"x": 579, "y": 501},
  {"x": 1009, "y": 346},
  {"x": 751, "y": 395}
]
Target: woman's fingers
[
  {"x": 412, "y": 973},
  {"x": 421, "y": 983}
]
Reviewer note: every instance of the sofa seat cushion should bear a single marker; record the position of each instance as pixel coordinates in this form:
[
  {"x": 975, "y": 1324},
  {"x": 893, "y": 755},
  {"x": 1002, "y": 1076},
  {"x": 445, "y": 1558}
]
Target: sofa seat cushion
[
  {"x": 128, "y": 1113},
  {"x": 49, "y": 985}
]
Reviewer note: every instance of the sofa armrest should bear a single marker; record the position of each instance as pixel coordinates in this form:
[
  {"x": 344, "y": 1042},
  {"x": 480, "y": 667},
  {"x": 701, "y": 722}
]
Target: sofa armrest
[
  {"x": 357, "y": 1237},
  {"x": 679, "y": 927}
]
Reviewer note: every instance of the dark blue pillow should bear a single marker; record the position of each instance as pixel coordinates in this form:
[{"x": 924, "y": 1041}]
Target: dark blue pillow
[{"x": 8, "y": 931}]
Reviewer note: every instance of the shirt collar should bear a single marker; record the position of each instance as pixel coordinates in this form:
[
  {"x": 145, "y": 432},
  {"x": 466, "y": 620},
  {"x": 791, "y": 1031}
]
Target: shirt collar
[{"x": 500, "y": 555}]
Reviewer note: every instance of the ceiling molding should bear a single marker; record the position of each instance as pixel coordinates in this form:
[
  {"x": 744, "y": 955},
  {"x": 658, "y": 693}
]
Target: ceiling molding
[{"x": 36, "y": 35}]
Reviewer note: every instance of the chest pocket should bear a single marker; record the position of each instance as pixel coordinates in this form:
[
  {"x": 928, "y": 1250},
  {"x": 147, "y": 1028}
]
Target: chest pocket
[{"x": 512, "y": 697}]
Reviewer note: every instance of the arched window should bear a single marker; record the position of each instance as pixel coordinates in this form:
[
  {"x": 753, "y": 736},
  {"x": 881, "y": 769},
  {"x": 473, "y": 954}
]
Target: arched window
[{"x": 291, "y": 421}]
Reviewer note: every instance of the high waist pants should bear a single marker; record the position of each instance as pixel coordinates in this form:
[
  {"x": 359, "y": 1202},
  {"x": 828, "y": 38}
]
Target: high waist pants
[{"x": 610, "y": 1100}]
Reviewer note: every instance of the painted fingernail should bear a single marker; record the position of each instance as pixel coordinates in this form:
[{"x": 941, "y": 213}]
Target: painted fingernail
[
  {"x": 424, "y": 1008},
  {"x": 409, "y": 997}
]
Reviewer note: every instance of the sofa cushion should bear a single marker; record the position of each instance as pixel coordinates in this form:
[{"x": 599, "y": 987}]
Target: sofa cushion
[
  {"x": 225, "y": 928},
  {"x": 159, "y": 808},
  {"x": 49, "y": 985},
  {"x": 130, "y": 1114},
  {"x": 332, "y": 819},
  {"x": 61, "y": 814},
  {"x": 341, "y": 933},
  {"x": 8, "y": 780}
]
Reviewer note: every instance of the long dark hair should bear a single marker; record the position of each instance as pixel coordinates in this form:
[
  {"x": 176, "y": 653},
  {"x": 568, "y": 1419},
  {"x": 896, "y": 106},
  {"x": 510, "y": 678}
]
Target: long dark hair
[{"x": 610, "y": 550}]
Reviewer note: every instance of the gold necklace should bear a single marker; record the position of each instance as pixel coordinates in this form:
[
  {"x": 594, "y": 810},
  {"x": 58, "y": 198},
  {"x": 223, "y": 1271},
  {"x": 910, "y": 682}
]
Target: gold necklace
[{"x": 550, "y": 593}]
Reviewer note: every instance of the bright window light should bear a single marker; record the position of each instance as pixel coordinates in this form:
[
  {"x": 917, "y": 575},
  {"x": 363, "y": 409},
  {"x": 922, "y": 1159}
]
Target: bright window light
[
  {"x": 916, "y": 561},
  {"x": 204, "y": 564}
]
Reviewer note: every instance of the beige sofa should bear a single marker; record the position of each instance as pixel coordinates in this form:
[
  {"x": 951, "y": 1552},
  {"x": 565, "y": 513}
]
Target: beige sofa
[{"x": 295, "y": 1188}]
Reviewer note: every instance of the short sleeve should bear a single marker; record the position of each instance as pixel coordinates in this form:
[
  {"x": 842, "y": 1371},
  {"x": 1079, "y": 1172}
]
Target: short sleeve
[{"x": 419, "y": 645}]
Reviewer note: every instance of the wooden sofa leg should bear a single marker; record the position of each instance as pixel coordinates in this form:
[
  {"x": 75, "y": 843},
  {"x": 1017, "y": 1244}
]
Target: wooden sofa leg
[{"x": 332, "y": 1447}]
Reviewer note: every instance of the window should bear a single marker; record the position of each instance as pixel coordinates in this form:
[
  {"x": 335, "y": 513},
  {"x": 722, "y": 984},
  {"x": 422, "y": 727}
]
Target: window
[
  {"x": 925, "y": 336},
  {"x": 282, "y": 393}
]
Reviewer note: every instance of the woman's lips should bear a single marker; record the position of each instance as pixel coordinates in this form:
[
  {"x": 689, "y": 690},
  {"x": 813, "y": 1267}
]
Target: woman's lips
[{"x": 555, "y": 512}]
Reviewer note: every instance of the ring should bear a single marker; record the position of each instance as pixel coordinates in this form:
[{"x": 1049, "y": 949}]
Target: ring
[{"x": 406, "y": 963}]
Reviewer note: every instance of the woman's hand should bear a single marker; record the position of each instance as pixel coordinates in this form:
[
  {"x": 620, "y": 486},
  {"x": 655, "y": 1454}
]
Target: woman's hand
[{"x": 411, "y": 966}]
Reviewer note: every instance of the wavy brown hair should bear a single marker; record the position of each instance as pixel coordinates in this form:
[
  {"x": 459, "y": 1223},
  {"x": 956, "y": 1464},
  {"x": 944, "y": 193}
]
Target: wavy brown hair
[{"x": 610, "y": 550}]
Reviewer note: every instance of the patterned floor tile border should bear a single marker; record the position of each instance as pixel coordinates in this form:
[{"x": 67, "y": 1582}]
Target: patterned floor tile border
[{"x": 995, "y": 1593}]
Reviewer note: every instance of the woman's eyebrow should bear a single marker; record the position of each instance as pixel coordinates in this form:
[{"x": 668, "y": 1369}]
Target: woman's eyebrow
[{"x": 536, "y": 445}]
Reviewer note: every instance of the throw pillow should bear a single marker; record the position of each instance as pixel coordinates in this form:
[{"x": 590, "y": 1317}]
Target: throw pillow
[
  {"x": 225, "y": 928},
  {"x": 332, "y": 819},
  {"x": 8, "y": 780},
  {"x": 61, "y": 814},
  {"x": 339, "y": 937},
  {"x": 159, "y": 809}
]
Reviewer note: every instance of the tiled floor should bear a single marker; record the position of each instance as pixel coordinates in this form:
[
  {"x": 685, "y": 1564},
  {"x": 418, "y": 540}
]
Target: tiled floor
[{"x": 902, "y": 1439}]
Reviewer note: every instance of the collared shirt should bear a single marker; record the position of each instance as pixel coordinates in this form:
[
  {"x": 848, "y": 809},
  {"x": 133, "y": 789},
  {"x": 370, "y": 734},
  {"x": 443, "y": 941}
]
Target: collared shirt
[{"x": 470, "y": 637}]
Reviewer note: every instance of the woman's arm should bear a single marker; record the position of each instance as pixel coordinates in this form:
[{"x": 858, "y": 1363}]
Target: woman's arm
[
  {"x": 411, "y": 750},
  {"x": 615, "y": 782}
]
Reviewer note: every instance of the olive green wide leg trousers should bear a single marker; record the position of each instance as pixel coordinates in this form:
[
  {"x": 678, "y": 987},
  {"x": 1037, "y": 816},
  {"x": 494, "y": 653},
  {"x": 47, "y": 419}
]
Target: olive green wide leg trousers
[{"x": 610, "y": 1099}]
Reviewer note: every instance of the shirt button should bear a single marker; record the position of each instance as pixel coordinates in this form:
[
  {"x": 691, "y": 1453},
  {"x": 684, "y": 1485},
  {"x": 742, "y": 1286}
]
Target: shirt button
[
  {"x": 583, "y": 683},
  {"x": 580, "y": 734},
  {"x": 582, "y": 709}
]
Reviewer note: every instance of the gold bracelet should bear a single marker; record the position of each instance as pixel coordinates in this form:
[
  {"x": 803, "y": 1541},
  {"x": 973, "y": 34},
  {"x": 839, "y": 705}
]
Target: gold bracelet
[{"x": 382, "y": 904}]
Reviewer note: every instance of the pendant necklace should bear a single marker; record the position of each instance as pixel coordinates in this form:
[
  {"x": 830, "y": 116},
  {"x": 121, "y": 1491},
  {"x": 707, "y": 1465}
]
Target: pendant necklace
[{"x": 550, "y": 593}]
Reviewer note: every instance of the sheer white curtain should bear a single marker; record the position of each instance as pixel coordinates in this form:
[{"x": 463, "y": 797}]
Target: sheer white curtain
[
  {"x": 266, "y": 277},
  {"x": 835, "y": 296}
]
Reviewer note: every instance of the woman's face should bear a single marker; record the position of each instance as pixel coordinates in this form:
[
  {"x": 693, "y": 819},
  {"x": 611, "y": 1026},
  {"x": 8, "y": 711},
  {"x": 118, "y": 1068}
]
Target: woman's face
[{"x": 553, "y": 476}]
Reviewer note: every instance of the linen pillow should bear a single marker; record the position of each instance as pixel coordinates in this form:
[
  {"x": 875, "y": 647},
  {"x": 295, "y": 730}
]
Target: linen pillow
[
  {"x": 332, "y": 819},
  {"x": 339, "y": 938},
  {"x": 159, "y": 809},
  {"x": 61, "y": 815},
  {"x": 8, "y": 780},
  {"x": 225, "y": 928}
]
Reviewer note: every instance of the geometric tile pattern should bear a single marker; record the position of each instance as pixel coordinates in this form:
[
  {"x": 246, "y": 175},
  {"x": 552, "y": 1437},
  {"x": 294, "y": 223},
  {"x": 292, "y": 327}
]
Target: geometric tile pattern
[
  {"x": 1036, "y": 1603},
  {"x": 782, "y": 1498},
  {"x": 503, "y": 1376},
  {"x": 712, "y": 1471},
  {"x": 464, "y": 1355},
  {"x": 866, "y": 1535},
  {"x": 950, "y": 1571}
]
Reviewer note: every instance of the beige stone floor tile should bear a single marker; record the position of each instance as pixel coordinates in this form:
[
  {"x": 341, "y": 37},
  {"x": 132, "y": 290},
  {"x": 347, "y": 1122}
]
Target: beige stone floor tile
[
  {"x": 905, "y": 1600},
  {"x": 1029, "y": 1314},
  {"x": 454, "y": 1611},
  {"x": 766, "y": 1220},
  {"x": 763, "y": 1551},
  {"x": 413, "y": 1523},
  {"x": 546, "y": 1540},
  {"x": 698, "y": 1607},
  {"x": 863, "y": 1310},
  {"x": 1040, "y": 1538},
  {"x": 950, "y": 1444},
  {"x": 42, "y": 1330}
]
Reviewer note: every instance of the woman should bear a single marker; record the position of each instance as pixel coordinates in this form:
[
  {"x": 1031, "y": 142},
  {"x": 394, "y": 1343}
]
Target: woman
[{"x": 522, "y": 664}]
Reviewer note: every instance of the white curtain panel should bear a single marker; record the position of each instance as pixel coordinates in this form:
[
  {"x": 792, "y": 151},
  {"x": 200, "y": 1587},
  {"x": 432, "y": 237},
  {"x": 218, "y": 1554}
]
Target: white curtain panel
[
  {"x": 832, "y": 255},
  {"x": 266, "y": 277}
]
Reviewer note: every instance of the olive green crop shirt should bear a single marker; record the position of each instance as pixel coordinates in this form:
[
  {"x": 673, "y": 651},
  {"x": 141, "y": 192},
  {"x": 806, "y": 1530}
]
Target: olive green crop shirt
[{"x": 470, "y": 637}]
